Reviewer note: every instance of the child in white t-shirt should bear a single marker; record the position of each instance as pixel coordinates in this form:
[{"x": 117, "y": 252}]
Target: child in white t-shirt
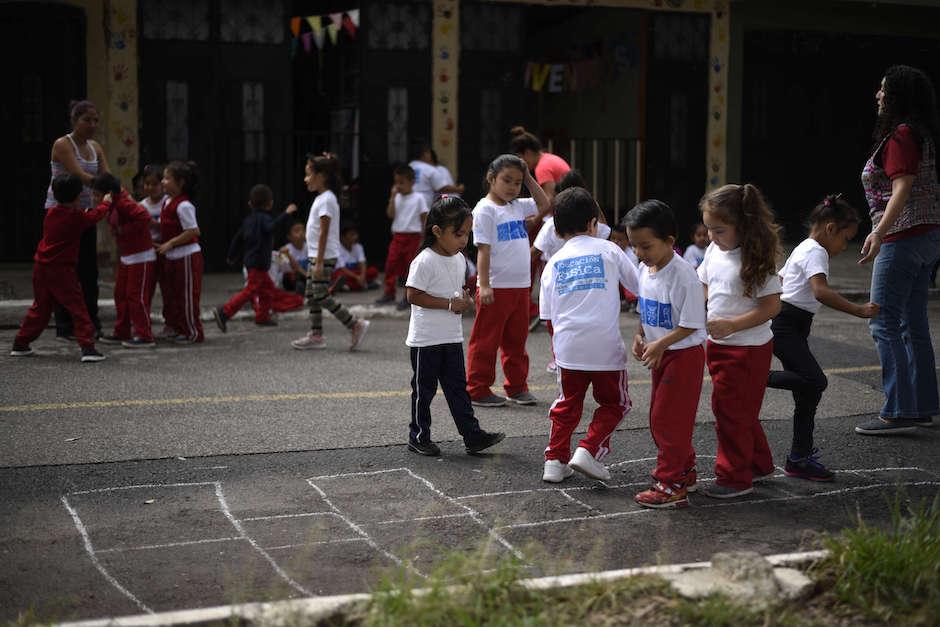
[
  {"x": 408, "y": 210},
  {"x": 352, "y": 272},
  {"x": 580, "y": 295},
  {"x": 322, "y": 176},
  {"x": 695, "y": 253},
  {"x": 833, "y": 222},
  {"x": 435, "y": 333},
  {"x": 154, "y": 198},
  {"x": 293, "y": 259},
  {"x": 743, "y": 295},
  {"x": 619, "y": 236},
  {"x": 671, "y": 306},
  {"x": 502, "y": 320}
]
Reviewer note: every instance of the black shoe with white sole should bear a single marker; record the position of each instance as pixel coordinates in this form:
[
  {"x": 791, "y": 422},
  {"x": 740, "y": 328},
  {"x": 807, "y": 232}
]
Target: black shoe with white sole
[
  {"x": 430, "y": 449},
  {"x": 90, "y": 354},
  {"x": 483, "y": 441},
  {"x": 21, "y": 350}
]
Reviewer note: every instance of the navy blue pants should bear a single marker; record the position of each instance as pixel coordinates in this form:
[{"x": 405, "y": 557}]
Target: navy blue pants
[{"x": 440, "y": 363}]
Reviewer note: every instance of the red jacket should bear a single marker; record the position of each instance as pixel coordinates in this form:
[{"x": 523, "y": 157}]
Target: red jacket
[
  {"x": 170, "y": 225},
  {"x": 61, "y": 230},
  {"x": 130, "y": 224}
]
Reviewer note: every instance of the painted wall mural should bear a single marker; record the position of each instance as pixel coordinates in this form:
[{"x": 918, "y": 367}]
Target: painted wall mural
[
  {"x": 445, "y": 46},
  {"x": 121, "y": 119}
]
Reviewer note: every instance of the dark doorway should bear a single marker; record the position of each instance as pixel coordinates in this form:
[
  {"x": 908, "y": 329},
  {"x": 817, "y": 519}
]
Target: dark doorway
[
  {"x": 48, "y": 72},
  {"x": 809, "y": 109}
]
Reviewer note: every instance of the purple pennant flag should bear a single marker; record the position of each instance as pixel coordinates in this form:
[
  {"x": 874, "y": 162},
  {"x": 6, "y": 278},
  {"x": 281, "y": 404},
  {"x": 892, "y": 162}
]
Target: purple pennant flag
[{"x": 307, "y": 40}]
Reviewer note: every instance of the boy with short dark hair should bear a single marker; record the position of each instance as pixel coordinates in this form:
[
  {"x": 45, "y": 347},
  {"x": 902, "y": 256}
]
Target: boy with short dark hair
[
  {"x": 54, "y": 279},
  {"x": 580, "y": 296},
  {"x": 408, "y": 210},
  {"x": 352, "y": 273},
  {"x": 255, "y": 239}
]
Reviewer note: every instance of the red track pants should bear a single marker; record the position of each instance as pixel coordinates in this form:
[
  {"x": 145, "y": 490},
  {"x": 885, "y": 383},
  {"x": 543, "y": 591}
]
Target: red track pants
[
  {"x": 133, "y": 288},
  {"x": 56, "y": 285},
  {"x": 352, "y": 283},
  {"x": 504, "y": 325},
  {"x": 183, "y": 282},
  {"x": 610, "y": 392},
  {"x": 739, "y": 379},
  {"x": 677, "y": 384},
  {"x": 401, "y": 252},
  {"x": 259, "y": 290}
]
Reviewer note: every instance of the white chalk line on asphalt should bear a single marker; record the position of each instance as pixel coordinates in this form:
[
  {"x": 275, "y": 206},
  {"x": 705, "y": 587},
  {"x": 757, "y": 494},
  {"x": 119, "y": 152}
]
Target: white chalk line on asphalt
[
  {"x": 298, "y": 396},
  {"x": 168, "y": 545},
  {"x": 300, "y": 515}
]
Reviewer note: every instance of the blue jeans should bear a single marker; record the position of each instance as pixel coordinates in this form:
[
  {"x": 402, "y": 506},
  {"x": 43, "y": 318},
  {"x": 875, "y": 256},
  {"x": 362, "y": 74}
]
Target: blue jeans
[{"x": 901, "y": 330}]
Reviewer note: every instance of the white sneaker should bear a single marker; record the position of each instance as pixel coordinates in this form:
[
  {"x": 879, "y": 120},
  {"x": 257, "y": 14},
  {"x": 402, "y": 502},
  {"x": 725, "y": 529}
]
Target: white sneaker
[
  {"x": 555, "y": 471},
  {"x": 310, "y": 341},
  {"x": 358, "y": 332},
  {"x": 584, "y": 462}
]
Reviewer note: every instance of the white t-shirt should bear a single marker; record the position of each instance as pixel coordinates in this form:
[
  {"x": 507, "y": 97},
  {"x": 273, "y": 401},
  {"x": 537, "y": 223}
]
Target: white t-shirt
[
  {"x": 549, "y": 242},
  {"x": 443, "y": 277},
  {"x": 503, "y": 228},
  {"x": 445, "y": 178},
  {"x": 154, "y": 208},
  {"x": 580, "y": 294},
  {"x": 408, "y": 210},
  {"x": 325, "y": 204},
  {"x": 806, "y": 261},
  {"x": 427, "y": 180},
  {"x": 721, "y": 272},
  {"x": 670, "y": 298},
  {"x": 186, "y": 212},
  {"x": 694, "y": 255},
  {"x": 351, "y": 258}
]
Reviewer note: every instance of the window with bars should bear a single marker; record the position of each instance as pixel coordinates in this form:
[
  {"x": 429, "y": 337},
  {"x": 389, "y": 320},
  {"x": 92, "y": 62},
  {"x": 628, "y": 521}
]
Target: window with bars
[
  {"x": 253, "y": 121},
  {"x": 177, "y": 120},
  {"x": 397, "y": 124}
]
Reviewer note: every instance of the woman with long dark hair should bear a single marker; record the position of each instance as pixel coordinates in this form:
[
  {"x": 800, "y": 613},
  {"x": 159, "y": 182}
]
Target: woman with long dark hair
[{"x": 901, "y": 185}]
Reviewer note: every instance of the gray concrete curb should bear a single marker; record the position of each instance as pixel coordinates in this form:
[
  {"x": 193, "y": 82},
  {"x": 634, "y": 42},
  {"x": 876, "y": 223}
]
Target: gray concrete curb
[{"x": 315, "y": 609}]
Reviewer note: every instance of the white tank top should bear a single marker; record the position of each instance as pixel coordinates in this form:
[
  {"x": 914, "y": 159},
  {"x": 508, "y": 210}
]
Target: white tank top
[{"x": 91, "y": 167}]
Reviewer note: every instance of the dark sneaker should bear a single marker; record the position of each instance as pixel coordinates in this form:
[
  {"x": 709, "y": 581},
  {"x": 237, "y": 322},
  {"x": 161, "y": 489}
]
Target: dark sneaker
[
  {"x": 403, "y": 304},
  {"x": 925, "y": 422},
  {"x": 386, "y": 299},
  {"x": 266, "y": 323},
  {"x": 429, "y": 449},
  {"x": 807, "y": 468},
  {"x": 21, "y": 350},
  {"x": 112, "y": 339},
  {"x": 757, "y": 477},
  {"x": 885, "y": 426},
  {"x": 90, "y": 354},
  {"x": 661, "y": 496},
  {"x": 184, "y": 339},
  {"x": 138, "y": 342},
  {"x": 717, "y": 491},
  {"x": 523, "y": 398},
  {"x": 221, "y": 320},
  {"x": 490, "y": 401},
  {"x": 483, "y": 441}
]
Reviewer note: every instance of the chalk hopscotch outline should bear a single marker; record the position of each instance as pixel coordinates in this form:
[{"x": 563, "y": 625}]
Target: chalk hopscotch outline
[{"x": 468, "y": 512}]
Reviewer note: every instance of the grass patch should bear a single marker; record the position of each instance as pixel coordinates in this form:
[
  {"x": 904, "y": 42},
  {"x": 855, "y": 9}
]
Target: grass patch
[{"x": 891, "y": 575}]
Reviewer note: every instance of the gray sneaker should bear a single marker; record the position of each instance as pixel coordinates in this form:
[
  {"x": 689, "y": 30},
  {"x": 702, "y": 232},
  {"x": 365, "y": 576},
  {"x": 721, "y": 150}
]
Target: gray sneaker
[
  {"x": 490, "y": 401},
  {"x": 717, "y": 491},
  {"x": 885, "y": 426},
  {"x": 926, "y": 421},
  {"x": 523, "y": 398}
]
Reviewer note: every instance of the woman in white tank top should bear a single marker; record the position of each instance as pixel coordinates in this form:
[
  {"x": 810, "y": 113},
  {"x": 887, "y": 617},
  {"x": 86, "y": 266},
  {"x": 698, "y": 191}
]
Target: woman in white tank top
[{"x": 77, "y": 153}]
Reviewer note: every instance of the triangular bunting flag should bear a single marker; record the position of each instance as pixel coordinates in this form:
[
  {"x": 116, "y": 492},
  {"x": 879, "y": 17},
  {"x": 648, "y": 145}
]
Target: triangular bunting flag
[
  {"x": 314, "y": 21},
  {"x": 354, "y": 16},
  {"x": 307, "y": 39},
  {"x": 295, "y": 26},
  {"x": 333, "y": 31},
  {"x": 337, "y": 19},
  {"x": 349, "y": 27},
  {"x": 318, "y": 35}
]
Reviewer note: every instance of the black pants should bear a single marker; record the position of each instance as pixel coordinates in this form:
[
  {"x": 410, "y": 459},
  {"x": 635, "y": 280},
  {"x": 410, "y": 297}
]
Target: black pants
[
  {"x": 440, "y": 363},
  {"x": 801, "y": 375},
  {"x": 87, "y": 271}
]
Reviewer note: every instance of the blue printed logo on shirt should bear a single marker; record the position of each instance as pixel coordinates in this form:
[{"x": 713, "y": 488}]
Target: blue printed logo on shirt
[
  {"x": 508, "y": 231},
  {"x": 579, "y": 273},
  {"x": 655, "y": 314}
]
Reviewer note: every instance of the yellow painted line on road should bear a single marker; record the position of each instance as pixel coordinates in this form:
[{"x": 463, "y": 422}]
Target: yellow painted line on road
[{"x": 302, "y": 396}]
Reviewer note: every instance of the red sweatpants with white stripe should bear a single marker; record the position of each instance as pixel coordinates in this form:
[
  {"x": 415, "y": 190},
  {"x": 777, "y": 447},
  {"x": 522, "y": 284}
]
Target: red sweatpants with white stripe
[
  {"x": 259, "y": 290},
  {"x": 401, "y": 252},
  {"x": 610, "y": 392},
  {"x": 677, "y": 384},
  {"x": 183, "y": 280},
  {"x": 56, "y": 285},
  {"x": 739, "y": 379},
  {"x": 133, "y": 287},
  {"x": 503, "y": 325}
]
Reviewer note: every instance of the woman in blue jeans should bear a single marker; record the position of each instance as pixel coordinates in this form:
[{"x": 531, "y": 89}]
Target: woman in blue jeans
[{"x": 900, "y": 181}]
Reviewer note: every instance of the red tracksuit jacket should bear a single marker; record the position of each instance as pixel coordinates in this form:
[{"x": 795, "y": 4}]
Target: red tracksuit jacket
[
  {"x": 61, "y": 230},
  {"x": 130, "y": 224}
]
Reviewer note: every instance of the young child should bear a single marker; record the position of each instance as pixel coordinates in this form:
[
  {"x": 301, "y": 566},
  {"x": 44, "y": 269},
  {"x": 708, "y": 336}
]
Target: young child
[
  {"x": 669, "y": 342},
  {"x": 580, "y": 296},
  {"x": 408, "y": 210},
  {"x": 322, "y": 176},
  {"x": 182, "y": 255},
  {"x": 435, "y": 333},
  {"x": 352, "y": 273},
  {"x": 294, "y": 254},
  {"x": 502, "y": 320},
  {"x": 619, "y": 236},
  {"x": 255, "y": 239},
  {"x": 134, "y": 280},
  {"x": 55, "y": 281},
  {"x": 695, "y": 253},
  {"x": 153, "y": 201},
  {"x": 743, "y": 295},
  {"x": 833, "y": 222}
]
